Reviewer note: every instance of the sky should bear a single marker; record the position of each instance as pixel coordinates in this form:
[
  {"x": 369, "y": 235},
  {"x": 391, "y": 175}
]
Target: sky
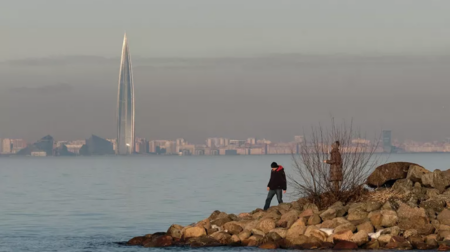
[{"x": 237, "y": 69}]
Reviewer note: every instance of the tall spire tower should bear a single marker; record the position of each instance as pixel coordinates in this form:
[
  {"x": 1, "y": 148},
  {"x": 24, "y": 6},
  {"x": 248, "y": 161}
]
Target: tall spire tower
[{"x": 125, "y": 104}]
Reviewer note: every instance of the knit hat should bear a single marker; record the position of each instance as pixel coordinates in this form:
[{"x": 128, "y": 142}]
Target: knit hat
[{"x": 274, "y": 165}]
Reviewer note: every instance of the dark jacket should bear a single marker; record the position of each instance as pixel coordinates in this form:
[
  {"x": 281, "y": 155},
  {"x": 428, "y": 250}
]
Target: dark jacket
[
  {"x": 336, "y": 165},
  {"x": 277, "y": 179}
]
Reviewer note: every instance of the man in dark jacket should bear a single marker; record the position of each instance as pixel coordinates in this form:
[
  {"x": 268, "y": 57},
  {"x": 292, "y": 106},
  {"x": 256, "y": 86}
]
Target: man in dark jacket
[{"x": 277, "y": 183}]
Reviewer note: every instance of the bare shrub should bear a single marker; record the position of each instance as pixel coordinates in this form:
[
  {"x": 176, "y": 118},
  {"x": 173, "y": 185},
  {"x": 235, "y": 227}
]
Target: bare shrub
[{"x": 311, "y": 175}]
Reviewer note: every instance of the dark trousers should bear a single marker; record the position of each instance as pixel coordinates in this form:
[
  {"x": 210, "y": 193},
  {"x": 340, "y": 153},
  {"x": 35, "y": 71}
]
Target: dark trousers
[{"x": 270, "y": 195}]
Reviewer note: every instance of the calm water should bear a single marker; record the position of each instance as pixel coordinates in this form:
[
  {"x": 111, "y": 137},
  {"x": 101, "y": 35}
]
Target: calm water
[{"x": 88, "y": 204}]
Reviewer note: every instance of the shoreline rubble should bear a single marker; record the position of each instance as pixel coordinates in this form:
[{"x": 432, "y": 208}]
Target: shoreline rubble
[{"x": 409, "y": 209}]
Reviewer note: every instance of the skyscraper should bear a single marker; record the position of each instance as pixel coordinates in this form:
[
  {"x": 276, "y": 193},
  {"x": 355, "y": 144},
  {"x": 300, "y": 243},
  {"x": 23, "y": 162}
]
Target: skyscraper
[
  {"x": 125, "y": 104},
  {"x": 387, "y": 141}
]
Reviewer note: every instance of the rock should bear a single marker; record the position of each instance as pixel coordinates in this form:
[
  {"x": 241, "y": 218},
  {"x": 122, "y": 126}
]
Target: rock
[
  {"x": 314, "y": 220},
  {"x": 269, "y": 245},
  {"x": 345, "y": 235},
  {"x": 432, "y": 240},
  {"x": 372, "y": 245},
  {"x": 421, "y": 222},
  {"x": 389, "y": 218},
  {"x": 356, "y": 214},
  {"x": 233, "y": 228},
  {"x": 444, "y": 217},
  {"x": 389, "y": 172},
  {"x": 272, "y": 236},
  {"x": 256, "y": 231},
  {"x": 244, "y": 235},
  {"x": 266, "y": 225},
  {"x": 328, "y": 214},
  {"x": 294, "y": 236},
  {"x": 435, "y": 204},
  {"x": 175, "y": 231},
  {"x": 288, "y": 219},
  {"x": 136, "y": 241},
  {"x": 373, "y": 206},
  {"x": 444, "y": 247},
  {"x": 410, "y": 233},
  {"x": 253, "y": 241},
  {"x": 366, "y": 226},
  {"x": 310, "y": 230},
  {"x": 384, "y": 239},
  {"x": 375, "y": 218},
  {"x": 280, "y": 231},
  {"x": 443, "y": 227},
  {"x": 285, "y": 206},
  {"x": 221, "y": 221},
  {"x": 193, "y": 232},
  {"x": 203, "y": 241},
  {"x": 311, "y": 206},
  {"x": 415, "y": 173},
  {"x": 398, "y": 242},
  {"x": 431, "y": 192},
  {"x": 299, "y": 222},
  {"x": 403, "y": 186},
  {"x": 313, "y": 243},
  {"x": 345, "y": 245},
  {"x": 437, "y": 179},
  {"x": 251, "y": 225},
  {"x": 345, "y": 227},
  {"x": 387, "y": 206},
  {"x": 235, "y": 239},
  {"x": 244, "y": 216},
  {"x": 158, "y": 241},
  {"x": 393, "y": 231},
  {"x": 206, "y": 224},
  {"x": 360, "y": 238},
  {"x": 217, "y": 214},
  {"x": 223, "y": 237}
]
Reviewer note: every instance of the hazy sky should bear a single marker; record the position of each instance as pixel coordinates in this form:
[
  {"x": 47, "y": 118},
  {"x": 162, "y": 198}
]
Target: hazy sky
[{"x": 225, "y": 68}]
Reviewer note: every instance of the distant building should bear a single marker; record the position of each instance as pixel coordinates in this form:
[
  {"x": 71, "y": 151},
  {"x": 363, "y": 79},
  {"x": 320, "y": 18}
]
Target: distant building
[
  {"x": 141, "y": 146},
  {"x": 97, "y": 146},
  {"x": 12, "y": 146},
  {"x": 387, "y": 141},
  {"x": 251, "y": 141},
  {"x": 125, "y": 104},
  {"x": 44, "y": 144}
]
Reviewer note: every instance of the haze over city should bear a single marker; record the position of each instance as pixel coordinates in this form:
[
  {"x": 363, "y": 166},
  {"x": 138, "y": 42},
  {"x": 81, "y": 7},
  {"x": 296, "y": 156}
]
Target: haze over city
[{"x": 255, "y": 69}]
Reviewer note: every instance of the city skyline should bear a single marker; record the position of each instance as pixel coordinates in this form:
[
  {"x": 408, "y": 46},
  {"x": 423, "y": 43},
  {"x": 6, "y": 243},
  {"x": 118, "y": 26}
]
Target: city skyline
[{"x": 125, "y": 103}]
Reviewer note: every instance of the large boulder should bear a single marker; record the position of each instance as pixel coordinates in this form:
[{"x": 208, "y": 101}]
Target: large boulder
[
  {"x": 444, "y": 217},
  {"x": 414, "y": 218},
  {"x": 175, "y": 231},
  {"x": 437, "y": 179},
  {"x": 232, "y": 227},
  {"x": 366, "y": 226},
  {"x": 280, "y": 231},
  {"x": 360, "y": 238},
  {"x": 356, "y": 214},
  {"x": 288, "y": 219},
  {"x": 415, "y": 173},
  {"x": 203, "y": 241},
  {"x": 223, "y": 237},
  {"x": 266, "y": 225},
  {"x": 136, "y": 241},
  {"x": 389, "y": 173},
  {"x": 190, "y": 232},
  {"x": 157, "y": 241},
  {"x": 343, "y": 236}
]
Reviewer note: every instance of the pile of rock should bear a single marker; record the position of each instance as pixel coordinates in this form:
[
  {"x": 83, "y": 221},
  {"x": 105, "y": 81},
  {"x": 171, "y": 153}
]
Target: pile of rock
[{"x": 420, "y": 219}]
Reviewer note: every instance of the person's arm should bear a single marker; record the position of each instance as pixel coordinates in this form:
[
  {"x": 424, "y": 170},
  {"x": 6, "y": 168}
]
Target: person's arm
[
  {"x": 270, "y": 181},
  {"x": 284, "y": 182},
  {"x": 332, "y": 160}
]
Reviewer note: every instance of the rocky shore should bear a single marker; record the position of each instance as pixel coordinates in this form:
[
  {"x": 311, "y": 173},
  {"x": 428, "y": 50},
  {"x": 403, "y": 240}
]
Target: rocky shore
[{"x": 408, "y": 209}]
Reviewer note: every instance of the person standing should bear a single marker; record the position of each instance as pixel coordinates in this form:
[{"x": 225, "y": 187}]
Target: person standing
[
  {"x": 335, "y": 163},
  {"x": 277, "y": 184}
]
